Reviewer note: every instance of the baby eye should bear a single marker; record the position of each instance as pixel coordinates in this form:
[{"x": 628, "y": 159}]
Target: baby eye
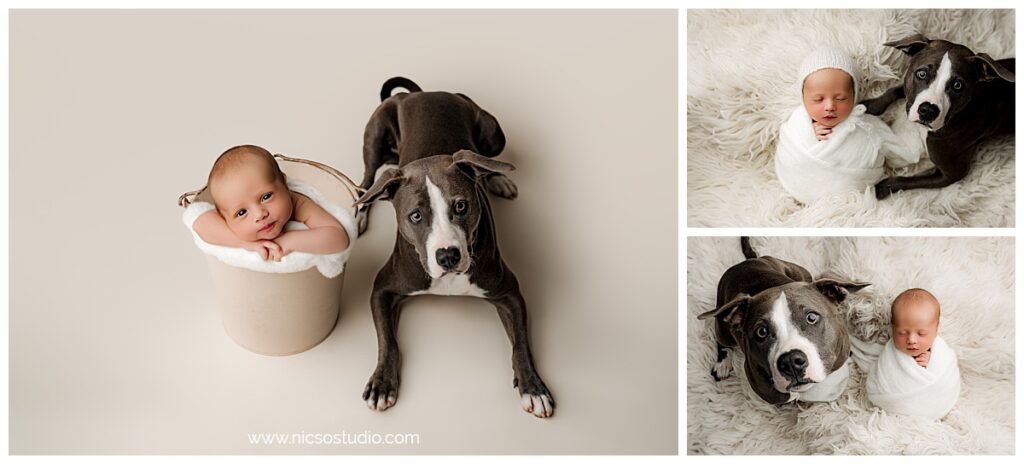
[
  {"x": 266, "y": 196},
  {"x": 240, "y": 213}
]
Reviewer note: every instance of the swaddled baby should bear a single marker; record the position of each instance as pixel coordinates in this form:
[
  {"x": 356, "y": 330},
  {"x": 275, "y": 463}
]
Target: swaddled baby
[
  {"x": 828, "y": 145},
  {"x": 917, "y": 372}
]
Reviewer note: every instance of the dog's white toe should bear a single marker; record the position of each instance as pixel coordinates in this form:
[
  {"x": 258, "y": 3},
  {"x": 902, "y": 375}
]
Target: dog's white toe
[
  {"x": 538, "y": 405},
  {"x": 723, "y": 368}
]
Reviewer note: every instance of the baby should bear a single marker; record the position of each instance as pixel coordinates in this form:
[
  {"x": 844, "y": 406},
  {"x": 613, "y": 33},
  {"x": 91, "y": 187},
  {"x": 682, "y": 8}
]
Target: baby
[
  {"x": 253, "y": 205},
  {"x": 829, "y": 145},
  {"x": 917, "y": 372}
]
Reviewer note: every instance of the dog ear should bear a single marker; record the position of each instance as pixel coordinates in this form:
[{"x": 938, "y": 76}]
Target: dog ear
[
  {"x": 732, "y": 312},
  {"x": 909, "y": 45},
  {"x": 383, "y": 189},
  {"x": 476, "y": 165},
  {"x": 990, "y": 69},
  {"x": 836, "y": 290}
]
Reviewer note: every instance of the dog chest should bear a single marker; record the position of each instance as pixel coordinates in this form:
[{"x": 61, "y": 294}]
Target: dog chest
[{"x": 452, "y": 284}]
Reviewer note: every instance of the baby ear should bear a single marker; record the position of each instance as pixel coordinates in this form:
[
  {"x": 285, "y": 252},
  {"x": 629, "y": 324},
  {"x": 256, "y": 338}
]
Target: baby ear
[
  {"x": 909, "y": 45},
  {"x": 836, "y": 290}
]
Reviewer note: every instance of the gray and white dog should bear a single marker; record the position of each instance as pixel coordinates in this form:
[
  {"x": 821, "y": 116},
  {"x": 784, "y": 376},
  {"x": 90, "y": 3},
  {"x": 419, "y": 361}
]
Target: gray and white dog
[
  {"x": 786, "y": 324},
  {"x": 960, "y": 98},
  {"x": 442, "y": 144}
]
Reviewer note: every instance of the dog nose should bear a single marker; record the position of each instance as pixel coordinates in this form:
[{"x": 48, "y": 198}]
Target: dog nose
[
  {"x": 927, "y": 112},
  {"x": 792, "y": 364},
  {"x": 449, "y": 257}
]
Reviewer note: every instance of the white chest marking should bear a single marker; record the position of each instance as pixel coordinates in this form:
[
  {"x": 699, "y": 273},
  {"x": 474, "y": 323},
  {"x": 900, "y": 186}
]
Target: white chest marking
[{"x": 452, "y": 284}]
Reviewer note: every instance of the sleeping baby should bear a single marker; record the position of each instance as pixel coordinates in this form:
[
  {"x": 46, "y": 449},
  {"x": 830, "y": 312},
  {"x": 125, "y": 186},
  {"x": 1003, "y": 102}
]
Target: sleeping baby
[
  {"x": 828, "y": 145},
  {"x": 916, "y": 373}
]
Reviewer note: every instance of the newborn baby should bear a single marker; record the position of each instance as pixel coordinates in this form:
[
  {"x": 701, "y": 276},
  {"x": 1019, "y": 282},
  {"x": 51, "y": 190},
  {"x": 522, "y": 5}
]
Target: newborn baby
[
  {"x": 916, "y": 373},
  {"x": 828, "y": 145}
]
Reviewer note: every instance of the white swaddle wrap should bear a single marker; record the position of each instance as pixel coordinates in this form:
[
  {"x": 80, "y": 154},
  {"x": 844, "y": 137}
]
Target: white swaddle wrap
[
  {"x": 850, "y": 159},
  {"x": 898, "y": 385}
]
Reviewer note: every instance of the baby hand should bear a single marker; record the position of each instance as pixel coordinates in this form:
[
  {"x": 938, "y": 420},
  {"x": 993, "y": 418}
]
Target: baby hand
[
  {"x": 922, "y": 359},
  {"x": 821, "y": 131},
  {"x": 266, "y": 249}
]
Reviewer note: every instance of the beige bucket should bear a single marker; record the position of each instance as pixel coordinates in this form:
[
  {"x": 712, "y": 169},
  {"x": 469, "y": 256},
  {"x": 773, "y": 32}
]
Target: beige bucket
[{"x": 287, "y": 313}]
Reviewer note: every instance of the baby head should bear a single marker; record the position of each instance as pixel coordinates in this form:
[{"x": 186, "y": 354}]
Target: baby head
[
  {"x": 828, "y": 80},
  {"x": 250, "y": 193},
  {"x": 915, "y": 321}
]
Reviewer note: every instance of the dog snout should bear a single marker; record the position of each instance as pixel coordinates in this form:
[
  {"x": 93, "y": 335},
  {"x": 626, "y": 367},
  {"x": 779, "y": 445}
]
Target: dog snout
[
  {"x": 448, "y": 258},
  {"x": 792, "y": 365},
  {"x": 927, "y": 112}
]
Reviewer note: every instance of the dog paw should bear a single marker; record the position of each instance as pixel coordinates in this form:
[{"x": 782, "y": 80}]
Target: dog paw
[
  {"x": 381, "y": 391},
  {"x": 721, "y": 370},
  {"x": 885, "y": 188},
  {"x": 502, "y": 186},
  {"x": 875, "y": 106},
  {"x": 535, "y": 398}
]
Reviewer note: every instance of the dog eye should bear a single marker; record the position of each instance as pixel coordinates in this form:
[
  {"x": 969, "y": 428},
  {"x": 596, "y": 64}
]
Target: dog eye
[
  {"x": 761, "y": 332},
  {"x": 415, "y": 217},
  {"x": 957, "y": 85},
  {"x": 460, "y": 206},
  {"x": 813, "y": 318},
  {"x": 921, "y": 73}
]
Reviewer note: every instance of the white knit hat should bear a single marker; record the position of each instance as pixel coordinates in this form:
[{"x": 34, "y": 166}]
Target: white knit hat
[{"x": 828, "y": 57}]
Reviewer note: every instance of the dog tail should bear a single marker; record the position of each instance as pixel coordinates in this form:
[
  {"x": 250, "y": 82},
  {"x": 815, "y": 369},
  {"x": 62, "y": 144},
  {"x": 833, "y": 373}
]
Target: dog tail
[
  {"x": 748, "y": 251},
  {"x": 395, "y": 83}
]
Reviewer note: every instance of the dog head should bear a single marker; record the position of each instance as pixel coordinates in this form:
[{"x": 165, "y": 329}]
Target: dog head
[
  {"x": 439, "y": 204},
  {"x": 943, "y": 78},
  {"x": 792, "y": 332}
]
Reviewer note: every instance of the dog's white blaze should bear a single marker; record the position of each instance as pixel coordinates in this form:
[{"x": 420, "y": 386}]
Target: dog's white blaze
[
  {"x": 443, "y": 233},
  {"x": 787, "y": 338},
  {"x": 935, "y": 94},
  {"x": 452, "y": 284}
]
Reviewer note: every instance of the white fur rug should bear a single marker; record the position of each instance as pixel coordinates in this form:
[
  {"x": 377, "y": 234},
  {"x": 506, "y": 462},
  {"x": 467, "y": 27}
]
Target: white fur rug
[
  {"x": 741, "y": 86},
  {"x": 973, "y": 278}
]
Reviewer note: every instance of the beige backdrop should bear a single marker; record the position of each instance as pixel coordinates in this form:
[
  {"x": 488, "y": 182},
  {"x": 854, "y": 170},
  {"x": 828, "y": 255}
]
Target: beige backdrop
[{"x": 116, "y": 343}]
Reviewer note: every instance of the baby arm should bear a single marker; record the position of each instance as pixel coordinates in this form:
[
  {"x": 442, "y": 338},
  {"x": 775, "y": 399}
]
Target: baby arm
[
  {"x": 325, "y": 235},
  {"x": 213, "y": 230}
]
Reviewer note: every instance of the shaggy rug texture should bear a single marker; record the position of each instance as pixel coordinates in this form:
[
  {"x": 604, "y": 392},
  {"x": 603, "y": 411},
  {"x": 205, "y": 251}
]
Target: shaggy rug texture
[
  {"x": 741, "y": 85},
  {"x": 973, "y": 278}
]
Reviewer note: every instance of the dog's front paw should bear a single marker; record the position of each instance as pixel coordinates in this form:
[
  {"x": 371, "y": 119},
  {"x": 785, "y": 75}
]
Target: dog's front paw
[
  {"x": 721, "y": 370},
  {"x": 885, "y": 188},
  {"x": 381, "y": 391},
  {"x": 502, "y": 186},
  {"x": 535, "y": 398}
]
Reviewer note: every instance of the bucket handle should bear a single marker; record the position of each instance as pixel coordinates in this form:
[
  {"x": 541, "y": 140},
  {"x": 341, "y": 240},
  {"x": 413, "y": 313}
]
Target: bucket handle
[{"x": 187, "y": 198}]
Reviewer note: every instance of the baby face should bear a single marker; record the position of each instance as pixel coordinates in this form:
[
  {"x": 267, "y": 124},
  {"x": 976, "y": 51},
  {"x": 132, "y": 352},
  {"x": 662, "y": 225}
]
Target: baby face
[
  {"x": 828, "y": 96},
  {"x": 915, "y": 326},
  {"x": 255, "y": 205}
]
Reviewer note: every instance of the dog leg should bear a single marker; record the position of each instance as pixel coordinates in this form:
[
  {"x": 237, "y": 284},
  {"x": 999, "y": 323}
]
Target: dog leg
[
  {"x": 878, "y": 105},
  {"x": 502, "y": 186},
  {"x": 723, "y": 368},
  {"x": 932, "y": 178},
  {"x": 534, "y": 395},
  {"x": 381, "y": 391}
]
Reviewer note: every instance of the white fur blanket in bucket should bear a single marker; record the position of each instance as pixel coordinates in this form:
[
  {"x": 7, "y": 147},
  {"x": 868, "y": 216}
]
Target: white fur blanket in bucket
[
  {"x": 897, "y": 384},
  {"x": 740, "y": 91},
  {"x": 973, "y": 278},
  {"x": 330, "y": 265}
]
